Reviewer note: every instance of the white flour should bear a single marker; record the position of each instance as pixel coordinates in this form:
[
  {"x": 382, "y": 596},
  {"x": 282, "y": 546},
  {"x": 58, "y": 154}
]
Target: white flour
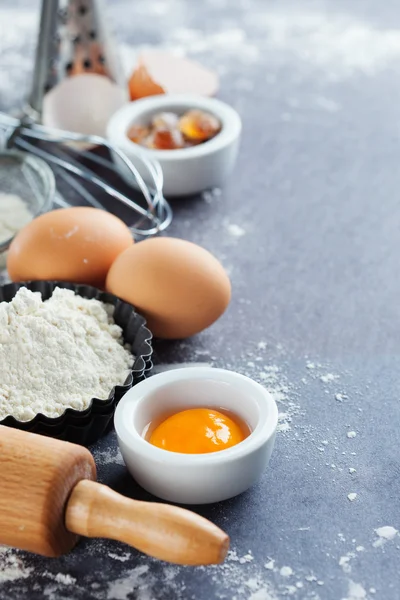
[
  {"x": 120, "y": 589},
  {"x": 62, "y": 578},
  {"x": 344, "y": 561},
  {"x": 108, "y": 456},
  {"x": 11, "y": 567},
  {"x": 328, "y": 378},
  {"x": 211, "y": 196},
  {"x": 57, "y": 354},
  {"x": 235, "y": 230},
  {"x": 14, "y": 214},
  {"x": 247, "y": 580},
  {"x": 355, "y": 592},
  {"x": 385, "y": 534},
  {"x": 121, "y": 557}
]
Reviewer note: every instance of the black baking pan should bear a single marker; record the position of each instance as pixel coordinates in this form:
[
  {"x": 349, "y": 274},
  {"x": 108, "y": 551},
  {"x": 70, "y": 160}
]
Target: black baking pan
[{"x": 86, "y": 427}]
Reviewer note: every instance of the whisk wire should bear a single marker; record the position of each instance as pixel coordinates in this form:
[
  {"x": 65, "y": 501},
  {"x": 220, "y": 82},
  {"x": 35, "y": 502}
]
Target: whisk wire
[{"x": 154, "y": 218}]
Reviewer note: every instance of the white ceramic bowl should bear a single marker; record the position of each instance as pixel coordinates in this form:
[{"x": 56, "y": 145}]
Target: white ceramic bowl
[
  {"x": 196, "y": 478},
  {"x": 190, "y": 170}
]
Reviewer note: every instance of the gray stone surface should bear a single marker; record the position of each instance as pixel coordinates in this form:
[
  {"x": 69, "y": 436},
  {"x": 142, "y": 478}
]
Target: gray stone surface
[{"x": 315, "y": 277}]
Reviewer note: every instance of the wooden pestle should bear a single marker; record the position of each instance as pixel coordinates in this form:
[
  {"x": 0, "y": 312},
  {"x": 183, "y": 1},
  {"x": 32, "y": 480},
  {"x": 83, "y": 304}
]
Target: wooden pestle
[{"x": 48, "y": 497}]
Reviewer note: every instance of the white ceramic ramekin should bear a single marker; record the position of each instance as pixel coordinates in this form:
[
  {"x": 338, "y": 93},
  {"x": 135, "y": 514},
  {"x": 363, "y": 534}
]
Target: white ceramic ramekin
[
  {"x": 196, "y": 478},
  {"x": 189, "y": 170}
]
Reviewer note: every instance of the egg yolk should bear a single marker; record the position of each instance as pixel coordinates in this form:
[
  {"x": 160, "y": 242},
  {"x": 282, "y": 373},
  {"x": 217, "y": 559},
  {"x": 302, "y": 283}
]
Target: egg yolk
[{"x": 197, "y": 431}]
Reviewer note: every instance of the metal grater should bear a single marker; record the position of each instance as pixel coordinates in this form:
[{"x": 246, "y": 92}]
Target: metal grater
[{"x": 73, "y": 39}]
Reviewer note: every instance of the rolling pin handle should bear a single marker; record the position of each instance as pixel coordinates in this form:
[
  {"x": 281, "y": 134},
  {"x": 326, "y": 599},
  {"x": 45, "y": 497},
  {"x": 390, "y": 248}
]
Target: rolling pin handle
[{"x": 165, "y": 532}]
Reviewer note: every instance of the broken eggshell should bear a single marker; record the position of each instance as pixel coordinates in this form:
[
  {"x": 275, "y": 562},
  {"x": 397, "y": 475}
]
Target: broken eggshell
[
  {"x": 186, "y": 171},
  {"x": 83, "y": 104},
  {"x": 158, "y": 72}
]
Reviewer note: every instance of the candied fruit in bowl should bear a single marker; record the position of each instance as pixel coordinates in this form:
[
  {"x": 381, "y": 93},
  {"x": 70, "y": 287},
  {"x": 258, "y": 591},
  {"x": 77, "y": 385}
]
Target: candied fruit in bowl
[{"x": 199, "y": 126}]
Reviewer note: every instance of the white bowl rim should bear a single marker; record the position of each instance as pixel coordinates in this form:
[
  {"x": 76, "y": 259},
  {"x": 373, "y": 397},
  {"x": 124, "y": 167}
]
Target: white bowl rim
[
  {"x": 127, "y": 114},
  {"x": 133, "y": 439}
]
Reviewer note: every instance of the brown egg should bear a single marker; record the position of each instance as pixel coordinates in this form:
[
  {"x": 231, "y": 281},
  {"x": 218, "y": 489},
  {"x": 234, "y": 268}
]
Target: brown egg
[
  {"x": 178, "y": 286},
  {"x": 69, "y": 244}
]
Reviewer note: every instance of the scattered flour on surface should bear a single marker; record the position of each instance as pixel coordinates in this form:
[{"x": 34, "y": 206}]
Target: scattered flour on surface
[
  {"x": 62, "y": 578},
  {"x": 246, "y": 558},
  {"x": 385, "y": 534},
  {"x": 120, "y": 557},
  {"x": 344, "y": 562},
  {"x": 352, "y": 496},
  {"x": 351, "y": 434},
  {"x": 210, "y": 196},
  {"x": 239, "y": 577},
  {"x": 133, "y": 581},
  {"x": 242, "y": 573},
  {"x": 65, "y": 579},
  {"x": 328, "y": 378},
  {"x": 12, "y": 566},
  {"x": 261, "y": 594},
  {"x": 252, "y": 583},
  {"x": 235, "y": 230},
  {"x": 275, "y": 382},
  {"x": 109, "y": 456},
  {"x": 355, "y": 592},
  {"x": 284, "y": 420}
]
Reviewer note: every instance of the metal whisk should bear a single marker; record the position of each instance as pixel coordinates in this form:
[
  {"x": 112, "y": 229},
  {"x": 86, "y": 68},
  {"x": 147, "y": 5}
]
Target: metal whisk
[
  {"x": 65, "y": 151},
  {"x": 73, "y": 40}
]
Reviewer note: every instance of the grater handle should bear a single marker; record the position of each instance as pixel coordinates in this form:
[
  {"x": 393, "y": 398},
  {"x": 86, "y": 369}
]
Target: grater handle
[{"x": 47, "y": 28}]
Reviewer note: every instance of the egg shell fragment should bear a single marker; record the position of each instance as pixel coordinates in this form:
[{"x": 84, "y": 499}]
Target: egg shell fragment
[
  {"x": 69, "y": 244},
  {"x": 158, "y": 72},
  {"x": 179, "y": 287}
]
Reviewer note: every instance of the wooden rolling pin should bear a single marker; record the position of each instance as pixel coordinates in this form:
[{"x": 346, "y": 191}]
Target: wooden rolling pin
[{"x": 49, "y": 497}]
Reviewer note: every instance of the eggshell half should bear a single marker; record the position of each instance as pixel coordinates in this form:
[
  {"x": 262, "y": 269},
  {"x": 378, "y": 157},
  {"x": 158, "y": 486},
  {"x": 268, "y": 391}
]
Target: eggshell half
[
  {"x": 83, "y": 104},
  {"x": 158, "y": 72},
  {"x": 178, "y": 286},
  {"x": 69, "y": 244}
]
